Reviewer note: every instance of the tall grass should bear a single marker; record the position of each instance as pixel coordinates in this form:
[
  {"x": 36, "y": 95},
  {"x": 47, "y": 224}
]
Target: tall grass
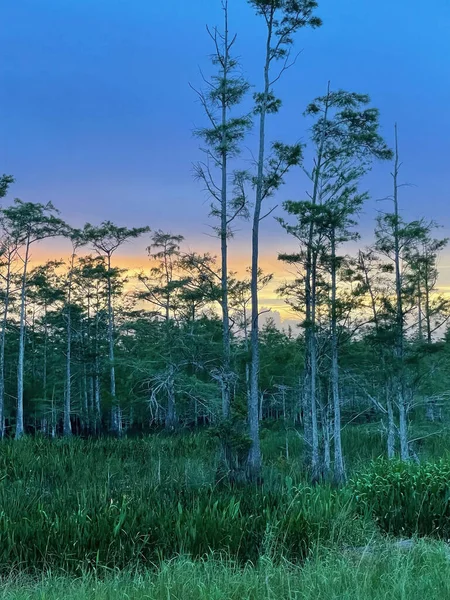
[
  {"x": 422, "y": 573},
  {"x": 406, "y": 499},
  {"x": 108, "y": 504},
  {"x": 80, "y": 505}
]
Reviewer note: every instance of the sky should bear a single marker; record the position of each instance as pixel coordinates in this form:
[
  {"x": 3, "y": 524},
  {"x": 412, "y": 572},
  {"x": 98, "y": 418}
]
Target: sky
[{"x": 97, "y": 115}]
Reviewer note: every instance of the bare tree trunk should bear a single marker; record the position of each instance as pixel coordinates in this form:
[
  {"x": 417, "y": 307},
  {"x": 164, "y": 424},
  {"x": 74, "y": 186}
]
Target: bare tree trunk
[
  {"x": 427, "y": 306},
  {"x": 326, "y": 429},
  {"x": 430, "y": 403},
  {"x": 86, "y": 416},
  {"x": 224, "y": 234},
  {"x": 339, "y": 469},
  {"x": 419, "y": 306},
  {"x": 53, "y": 415},
  {"x": 92, "y": 412},
  {"x": 312, "y": 367},
  {"x": 94, "y": 407},
  {"x": 403, "y": 429},
  {"x": 45, "y": 361},
  {"x": 3, "y": 344},
  {"x": 226, "y": 460},
  {"x": 20, "y": 367},
  {"x": 98, "y": 408},
  {"x": 401, "y": 396},
  {"x": 261, "y": 406},
  {"x": 254, "y": 456},
  {"x": 116, "y": 413},
  {"x": 171, "y": 415},
  {"x": 67, "y": 426},
  {"x": 390, "y": 426}
]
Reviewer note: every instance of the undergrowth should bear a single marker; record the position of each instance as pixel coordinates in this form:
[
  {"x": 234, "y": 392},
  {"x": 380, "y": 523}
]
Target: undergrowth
[{"x": 106, "y": 504}]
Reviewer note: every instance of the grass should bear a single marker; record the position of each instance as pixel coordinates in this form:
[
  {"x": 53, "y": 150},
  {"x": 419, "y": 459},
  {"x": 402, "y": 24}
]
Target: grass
[
  {"x": 81, "y": 505},
  {"x": 144, "y": 518},
  {"x": 391, "y": 574}
]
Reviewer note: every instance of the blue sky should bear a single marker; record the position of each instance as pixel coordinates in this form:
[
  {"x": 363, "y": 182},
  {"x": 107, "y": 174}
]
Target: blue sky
[{"x": 96, "y": 113}]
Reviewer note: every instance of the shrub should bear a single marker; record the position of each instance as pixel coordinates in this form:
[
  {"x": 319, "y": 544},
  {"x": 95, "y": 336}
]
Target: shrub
[{"x": 406, "y": 498}]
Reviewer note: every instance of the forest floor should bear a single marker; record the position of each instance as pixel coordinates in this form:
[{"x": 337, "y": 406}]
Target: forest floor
[{"x": 143, "y": 518}]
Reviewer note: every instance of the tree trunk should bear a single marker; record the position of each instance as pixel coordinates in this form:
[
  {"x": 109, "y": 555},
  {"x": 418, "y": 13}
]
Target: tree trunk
[
  {"x": 339, "y": 469},
  {"x": 430, "y": 410},
  {"x": 20, "y": 430},
  {"x": 53, "y": 415},
  {"x": 254, "y": 456},
  {"x": 401, "y": 397},
  {"x": 2, "y": 347},
  {"x": 311, "y": 369},
  {"x": 98, "y": 408},
  {"x": 419, "y": 306},
  {"x": 67, "y": 426},
  {"x": 261, "y": 407},
  {"x": 86, "y": 419},
  {"x": 311, "y": 424},
  {"x": 171, "y": 415},
  {"x": 45, "y": 360},
  {"x": 224, "y": 238},
  {"x": 390, "y": 427},
  {"x": 92, "y": 412},
  {"x": 326, "y": 429},
  {"x": 116, "y": 413},
  {"x": 225, "y": 467},
  {"x": 403, "y": 427},
  {"x": 427, "y": 306},
  {"x": 96, "y": 376}
]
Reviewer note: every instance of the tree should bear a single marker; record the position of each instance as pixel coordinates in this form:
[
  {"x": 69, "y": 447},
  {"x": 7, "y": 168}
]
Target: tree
[
  {"x": 47, "y": 293},
  {"x": 8, "y": 250},
  {"x": 162, "y": 290},
  {"x": 8, "y": 253},
  {"x": 396, "y": 240},
  {"x": 226, "y": 90},
  {"x": 432, "y": 312},
  {"x": 283, "y": 18},
  {"x": 346, "y": 140},
  {"x": 373, "y": 286},
  {"x": 106, "y": 239},
  {"x": 77, "y": 239},
  {"x": 5, "y": 182},
  {"x": 91, "y": 287},
  {"x": 28, "y": 223}
]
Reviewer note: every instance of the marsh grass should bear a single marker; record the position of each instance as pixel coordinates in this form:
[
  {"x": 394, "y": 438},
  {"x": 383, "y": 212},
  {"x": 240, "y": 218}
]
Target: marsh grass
[
  {"x": 83, "y": 505},
  {"x": 94, "y": 507},
  {"x": 423, "y": 572}
]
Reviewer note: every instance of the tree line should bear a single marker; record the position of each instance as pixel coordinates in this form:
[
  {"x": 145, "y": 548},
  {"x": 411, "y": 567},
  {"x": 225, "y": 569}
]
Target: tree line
[{"x": 85, "y": 349}]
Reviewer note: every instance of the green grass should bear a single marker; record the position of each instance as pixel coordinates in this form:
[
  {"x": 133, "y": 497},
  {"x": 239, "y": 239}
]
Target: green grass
[
  {"x": 111, "y": 504},
  {"x": 391, "y": 574},
  {"x": 112, "y": 519}
]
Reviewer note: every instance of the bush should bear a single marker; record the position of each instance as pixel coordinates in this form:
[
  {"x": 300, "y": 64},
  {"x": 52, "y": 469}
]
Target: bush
[{"x": 406, "y": 499}]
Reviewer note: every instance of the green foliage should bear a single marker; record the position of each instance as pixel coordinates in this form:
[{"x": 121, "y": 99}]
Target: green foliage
[
  {"x": 80, "y": 505},
  {"x": 406, "y": 499},
  {"x": 5, "y": 182},
  {"x": 285, "y": 17},
  {"x": 107, "y": 237},
  {"x": 29, "y": 222}
]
